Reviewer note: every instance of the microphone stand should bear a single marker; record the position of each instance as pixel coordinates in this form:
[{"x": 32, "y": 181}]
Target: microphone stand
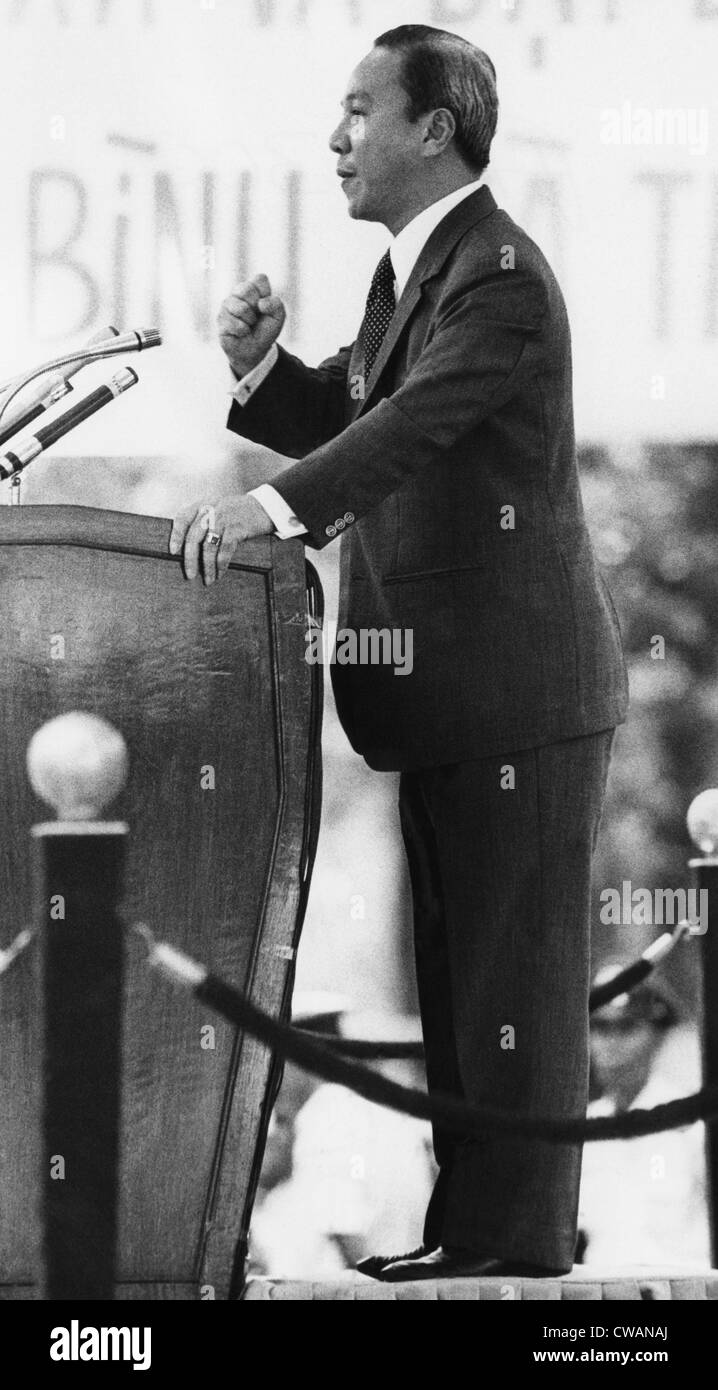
[{"x": 112, "y": 347}]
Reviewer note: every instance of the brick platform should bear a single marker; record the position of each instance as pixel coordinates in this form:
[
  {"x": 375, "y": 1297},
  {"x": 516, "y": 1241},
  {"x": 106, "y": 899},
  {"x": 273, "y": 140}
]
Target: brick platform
[{"x": 583, "y": 1283}]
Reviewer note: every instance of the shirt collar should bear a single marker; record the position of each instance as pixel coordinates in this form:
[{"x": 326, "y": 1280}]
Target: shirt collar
[{"x": 410, "y": 241}]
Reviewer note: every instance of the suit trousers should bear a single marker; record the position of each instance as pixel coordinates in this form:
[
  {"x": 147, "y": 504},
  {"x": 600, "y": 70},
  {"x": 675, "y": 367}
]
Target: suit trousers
[{"x": 499, "y": 852}]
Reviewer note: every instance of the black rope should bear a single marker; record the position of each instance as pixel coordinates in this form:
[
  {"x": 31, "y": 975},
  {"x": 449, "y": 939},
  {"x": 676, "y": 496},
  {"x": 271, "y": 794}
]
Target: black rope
[
  {"x": 16, "y": 948},
  {"x": 405, "y": 1050},
  {"x": 445, "y": 1111},
  {"x": 369, "y": 1050},
  {"x": 622, "y": 983}
]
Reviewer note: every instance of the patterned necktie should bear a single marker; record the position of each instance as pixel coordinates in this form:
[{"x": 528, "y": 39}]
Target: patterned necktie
[{"x": 380, "y": 306}]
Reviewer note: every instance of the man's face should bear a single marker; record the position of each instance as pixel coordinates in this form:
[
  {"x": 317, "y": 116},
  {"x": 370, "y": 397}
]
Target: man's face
[{"x": 378, "y": 147}]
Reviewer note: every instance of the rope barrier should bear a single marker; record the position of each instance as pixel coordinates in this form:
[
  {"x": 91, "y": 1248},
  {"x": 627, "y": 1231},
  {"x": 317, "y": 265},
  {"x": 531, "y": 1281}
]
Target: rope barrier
[
  {"x": 321, "y": 1058},
  {"x": 365, "y": 1049},
  {"x": 15, "y": 949},
  {"x": 447, "y": 1112},
  {"x": 640, "y": 969},
  {"x": 369, "y": 1050}
]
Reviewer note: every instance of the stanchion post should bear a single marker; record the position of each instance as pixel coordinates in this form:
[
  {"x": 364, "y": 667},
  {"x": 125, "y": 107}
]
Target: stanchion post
[
  {"x": 703, "y": 827},
  {"x": 78, "y": 763}
]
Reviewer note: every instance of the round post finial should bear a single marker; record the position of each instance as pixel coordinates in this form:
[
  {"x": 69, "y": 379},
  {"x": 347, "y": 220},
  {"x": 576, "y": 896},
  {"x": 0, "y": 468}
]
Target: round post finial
[{"x": 78, "y": 764}]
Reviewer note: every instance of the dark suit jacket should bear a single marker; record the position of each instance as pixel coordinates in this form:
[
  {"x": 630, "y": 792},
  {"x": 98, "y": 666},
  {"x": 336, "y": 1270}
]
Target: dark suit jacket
[{"x": 467, "y": 411}]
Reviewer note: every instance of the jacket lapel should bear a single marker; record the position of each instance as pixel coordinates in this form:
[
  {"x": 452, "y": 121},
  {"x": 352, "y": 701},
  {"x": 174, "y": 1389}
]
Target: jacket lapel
[{"x": 430, "y": 261}]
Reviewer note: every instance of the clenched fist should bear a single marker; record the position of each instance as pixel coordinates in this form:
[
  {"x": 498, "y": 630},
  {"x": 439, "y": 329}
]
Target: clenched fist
[{"x": 250, "y": 320}]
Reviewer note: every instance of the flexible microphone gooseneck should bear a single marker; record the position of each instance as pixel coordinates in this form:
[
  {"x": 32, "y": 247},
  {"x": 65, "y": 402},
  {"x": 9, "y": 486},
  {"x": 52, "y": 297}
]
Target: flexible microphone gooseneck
[
  {"x": 48, "y": 393},
  {"x": 134, "y": 341}
]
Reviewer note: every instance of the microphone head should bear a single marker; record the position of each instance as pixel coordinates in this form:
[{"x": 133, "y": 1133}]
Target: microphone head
[
  {"x": 148, "y": 337},
  {"x": 122, "y": 380}
]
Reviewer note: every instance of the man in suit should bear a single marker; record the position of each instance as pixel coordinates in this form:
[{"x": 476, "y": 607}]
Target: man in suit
[{"x": 440, "y": 447}]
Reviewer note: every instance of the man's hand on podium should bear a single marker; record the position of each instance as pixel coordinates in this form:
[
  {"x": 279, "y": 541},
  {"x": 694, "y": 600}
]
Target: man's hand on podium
[{"x": 213, "y": 530}]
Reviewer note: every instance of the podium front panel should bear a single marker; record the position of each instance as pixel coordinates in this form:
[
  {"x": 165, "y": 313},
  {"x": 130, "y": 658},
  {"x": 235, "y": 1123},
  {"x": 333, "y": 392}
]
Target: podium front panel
[{"x": 212, "y": 692}]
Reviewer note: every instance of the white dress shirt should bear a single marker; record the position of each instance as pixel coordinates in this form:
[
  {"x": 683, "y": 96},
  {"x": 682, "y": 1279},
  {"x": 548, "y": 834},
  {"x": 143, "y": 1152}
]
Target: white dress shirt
[{"x": 404, "y": 253}]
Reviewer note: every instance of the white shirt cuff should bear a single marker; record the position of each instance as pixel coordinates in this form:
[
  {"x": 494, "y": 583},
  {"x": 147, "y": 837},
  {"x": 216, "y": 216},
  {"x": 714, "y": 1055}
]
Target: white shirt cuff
[
  {"x": 287, "y": 525},
  {"x": 248, "y": 384}
]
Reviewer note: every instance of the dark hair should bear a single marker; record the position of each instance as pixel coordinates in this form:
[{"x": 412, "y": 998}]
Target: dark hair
[{"x": 443, "y": 70}]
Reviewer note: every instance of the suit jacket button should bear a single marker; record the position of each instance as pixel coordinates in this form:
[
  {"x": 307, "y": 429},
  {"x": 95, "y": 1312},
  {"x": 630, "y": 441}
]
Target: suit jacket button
[
  {"x": 340, "y": 523},
  {"x": 330, "y": 531},
  {"x": 349, "y": 517}
]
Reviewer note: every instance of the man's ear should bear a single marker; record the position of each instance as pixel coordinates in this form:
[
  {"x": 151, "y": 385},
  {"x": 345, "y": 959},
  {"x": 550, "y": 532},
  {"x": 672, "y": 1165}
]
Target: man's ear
[{"x": 438, "y": 128}]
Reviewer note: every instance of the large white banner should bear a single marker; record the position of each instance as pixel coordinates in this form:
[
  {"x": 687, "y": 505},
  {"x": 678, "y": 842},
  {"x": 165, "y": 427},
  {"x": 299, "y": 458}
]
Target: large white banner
[{"x": 155, "y": 151}]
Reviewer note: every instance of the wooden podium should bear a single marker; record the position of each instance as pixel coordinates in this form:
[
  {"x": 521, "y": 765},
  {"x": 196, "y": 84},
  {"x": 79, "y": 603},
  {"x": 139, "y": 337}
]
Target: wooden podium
[{"x": 222, "y": 718}]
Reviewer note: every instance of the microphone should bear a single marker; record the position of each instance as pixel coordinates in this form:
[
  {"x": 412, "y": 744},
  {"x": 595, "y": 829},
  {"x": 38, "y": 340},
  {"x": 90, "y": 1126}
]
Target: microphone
[
  {"x": 59, "y": 387},
  {"x": 133, "y": 341},
  {"x": 48, "y": 393},
  {"x": 33, "y": 444}
]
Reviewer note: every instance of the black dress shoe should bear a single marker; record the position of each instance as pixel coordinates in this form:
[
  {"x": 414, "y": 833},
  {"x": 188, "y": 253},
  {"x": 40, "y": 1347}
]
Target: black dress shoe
[
  {"x": 463, "y": 1264},
  {"x": 374, "y": 1264}
]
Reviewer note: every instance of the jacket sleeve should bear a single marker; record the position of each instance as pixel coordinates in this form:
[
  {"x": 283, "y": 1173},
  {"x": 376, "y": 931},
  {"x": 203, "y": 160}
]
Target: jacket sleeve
[
  {"x": 487, "y": 342},
  {"x": 297, "y": 408}
]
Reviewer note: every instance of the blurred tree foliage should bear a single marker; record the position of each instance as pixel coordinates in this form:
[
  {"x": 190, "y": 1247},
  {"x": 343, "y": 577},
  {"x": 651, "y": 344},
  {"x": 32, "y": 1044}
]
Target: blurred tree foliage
[{"x": 653, "y": 516}]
